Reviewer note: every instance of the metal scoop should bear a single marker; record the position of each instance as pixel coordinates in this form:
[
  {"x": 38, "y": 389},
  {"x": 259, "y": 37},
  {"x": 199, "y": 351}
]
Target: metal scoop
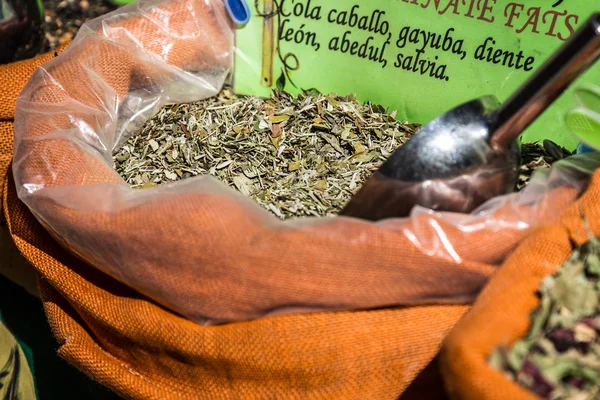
[{"x": 469, "y": 154}]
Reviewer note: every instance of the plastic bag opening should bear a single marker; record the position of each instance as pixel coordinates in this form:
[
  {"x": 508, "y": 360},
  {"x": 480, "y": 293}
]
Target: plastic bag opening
[{"x": 198, "y": 247}]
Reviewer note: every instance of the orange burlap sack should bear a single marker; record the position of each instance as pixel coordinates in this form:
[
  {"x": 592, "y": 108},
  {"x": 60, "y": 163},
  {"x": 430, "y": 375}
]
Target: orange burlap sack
[
  {"x": 12, "y": 264},
  {"x": 501, "y": 314},
  {"x": 116, "y": 287},
  {"x": 140, "y": 350},
  {"x": 198, "y": 247}
]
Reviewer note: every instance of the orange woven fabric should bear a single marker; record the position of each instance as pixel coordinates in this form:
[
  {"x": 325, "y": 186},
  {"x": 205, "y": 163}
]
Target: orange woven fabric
[
  {"x": 205, "y": 254},
  {"x": 500, "y": 316},
  {"x": 12, "y": 78},
  {"x": 140, "y": 350},
  {"x": 12, "y": 87}
]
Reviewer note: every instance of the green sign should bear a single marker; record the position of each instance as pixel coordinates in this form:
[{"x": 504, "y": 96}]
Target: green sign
[{"x": 419, "y": 57}]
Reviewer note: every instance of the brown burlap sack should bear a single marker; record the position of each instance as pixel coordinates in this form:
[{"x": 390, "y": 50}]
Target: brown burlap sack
[
  {"x": 131, "y": 264},
  {"x": 501, "y": 314}
]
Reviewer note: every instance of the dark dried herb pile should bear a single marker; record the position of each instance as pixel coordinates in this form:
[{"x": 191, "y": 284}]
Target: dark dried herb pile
[
  {"x": 61, "y": 22},
  {"x": 560, "y": 356},
  {"x": 536, "y": 155},
  {"x": 63, "y": 18}
]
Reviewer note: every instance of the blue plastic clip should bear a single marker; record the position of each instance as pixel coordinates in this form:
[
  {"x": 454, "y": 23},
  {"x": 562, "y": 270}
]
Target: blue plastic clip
[
  {"x": 582, "y": 148},
  {"x": 238, "y": 11}
]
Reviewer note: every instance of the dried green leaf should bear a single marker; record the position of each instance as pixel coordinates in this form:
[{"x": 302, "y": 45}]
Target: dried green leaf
[
  {"x": 153, "y": 144},
  {"x": 280, "y": 83},
  {"x": 364, "y": 157},
  {"x": 275, "y": 119},
  {"x": 560, "y": 356},
  {"x": 293, "y": 165},
  {"x": 245, "y": 185}
]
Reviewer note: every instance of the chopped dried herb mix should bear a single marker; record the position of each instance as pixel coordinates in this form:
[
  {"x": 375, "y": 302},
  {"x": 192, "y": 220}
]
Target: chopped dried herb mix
[
  {"x": 560, "y": 356},
  {"x": 295, "y": 156}
]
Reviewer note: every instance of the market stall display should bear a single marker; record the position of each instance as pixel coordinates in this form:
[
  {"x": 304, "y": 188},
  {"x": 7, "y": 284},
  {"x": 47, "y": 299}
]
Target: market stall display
[{"x": 157, "y": 276}]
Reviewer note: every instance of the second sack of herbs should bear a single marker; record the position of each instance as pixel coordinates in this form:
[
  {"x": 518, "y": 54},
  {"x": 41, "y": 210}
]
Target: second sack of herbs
[{"x": 533, "y": 331}]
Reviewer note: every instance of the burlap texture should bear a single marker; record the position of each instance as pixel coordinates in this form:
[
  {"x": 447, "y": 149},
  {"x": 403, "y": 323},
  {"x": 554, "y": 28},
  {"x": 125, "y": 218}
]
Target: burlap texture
[
  {"x": 200, "y": 251},
  {"x": 140, "y": 350},
  {"x": 500, "y": 316},
  {"x": 13, "y": 78}
]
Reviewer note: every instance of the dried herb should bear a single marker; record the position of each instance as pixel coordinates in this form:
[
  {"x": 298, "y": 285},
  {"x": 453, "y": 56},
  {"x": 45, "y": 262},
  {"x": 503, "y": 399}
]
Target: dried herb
[
  {"x": 560, "y": 356},
  {"x": 295, "y": 156},
  {"x": 536, "y": 155},
  {"x": 63, "y": 18}
]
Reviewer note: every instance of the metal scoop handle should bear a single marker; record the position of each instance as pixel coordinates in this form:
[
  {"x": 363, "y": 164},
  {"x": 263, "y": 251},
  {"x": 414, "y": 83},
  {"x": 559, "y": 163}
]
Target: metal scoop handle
[{"x": 547, "y": 84}]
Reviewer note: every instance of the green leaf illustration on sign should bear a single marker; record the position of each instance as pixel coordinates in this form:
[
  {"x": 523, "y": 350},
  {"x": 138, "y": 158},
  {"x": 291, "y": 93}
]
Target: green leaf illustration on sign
[{"x": 281, "y": 81}]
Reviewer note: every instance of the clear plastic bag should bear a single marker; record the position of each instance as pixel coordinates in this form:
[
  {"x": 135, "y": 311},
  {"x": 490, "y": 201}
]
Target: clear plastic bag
[{"x": 197, "y": 246}]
